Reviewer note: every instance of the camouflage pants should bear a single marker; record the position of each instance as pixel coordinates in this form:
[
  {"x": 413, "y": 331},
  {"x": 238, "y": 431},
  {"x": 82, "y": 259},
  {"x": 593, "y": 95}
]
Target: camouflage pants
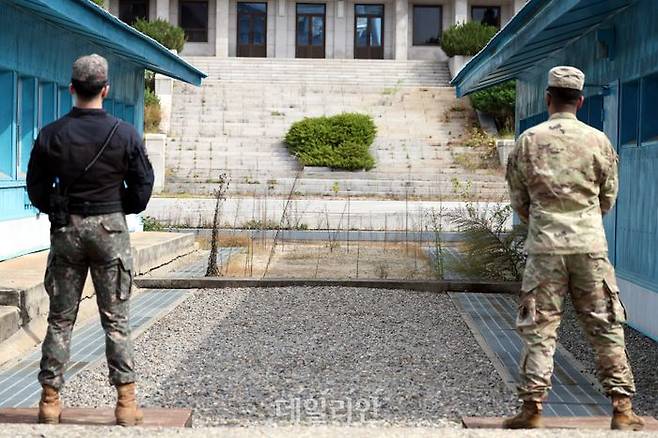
[
  {"x": 100, "y": 244},
  {"x": 590, "y": 279}
]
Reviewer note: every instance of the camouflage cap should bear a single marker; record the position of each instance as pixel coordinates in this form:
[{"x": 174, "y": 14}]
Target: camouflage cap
[{"x": 566, "y": 77}]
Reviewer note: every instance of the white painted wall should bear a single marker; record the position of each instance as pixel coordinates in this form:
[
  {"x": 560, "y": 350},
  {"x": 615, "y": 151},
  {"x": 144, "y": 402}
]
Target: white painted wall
[
  {"x": 22, "y": 236},
  {"x": 222, "y": 29},
  {"x": 641, "y": 307}
]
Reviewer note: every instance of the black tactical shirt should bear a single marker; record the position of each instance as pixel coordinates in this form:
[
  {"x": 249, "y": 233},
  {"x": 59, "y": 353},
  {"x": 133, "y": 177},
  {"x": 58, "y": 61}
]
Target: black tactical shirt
[{"x": 120, "y": 181}]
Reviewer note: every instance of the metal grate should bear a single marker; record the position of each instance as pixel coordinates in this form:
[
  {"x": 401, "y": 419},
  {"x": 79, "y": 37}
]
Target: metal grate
[
  {"x": 18, "y": 382},
  {"x": 492, "y": 320}
]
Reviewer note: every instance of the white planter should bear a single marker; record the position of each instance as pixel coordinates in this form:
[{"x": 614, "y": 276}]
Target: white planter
[
  {"x": 456, "y": 63},
  {"x": 155, "y": 148},
  {"x": 164, "y": 89},
  {"x": 505, "y": 147}
]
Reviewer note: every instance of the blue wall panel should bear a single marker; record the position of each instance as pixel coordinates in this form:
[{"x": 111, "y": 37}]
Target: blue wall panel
[
  {"x": 47, "y": 103},
  {"x": 635, "y": 57},
  {"x": 27, "y": 110},
  {"x": 7, "y": 124},
  {"x": 35, "y": 69},
  {"x": 64, "y": 101}
]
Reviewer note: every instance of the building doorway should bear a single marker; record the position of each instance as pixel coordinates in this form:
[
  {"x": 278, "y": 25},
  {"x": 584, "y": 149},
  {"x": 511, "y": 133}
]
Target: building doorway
[
  {"x": 311, "y": 22},
  {"x": 132, "y": 10},
  {"x": 252, "y": 29},
  {"x": 369, "y": 31}
]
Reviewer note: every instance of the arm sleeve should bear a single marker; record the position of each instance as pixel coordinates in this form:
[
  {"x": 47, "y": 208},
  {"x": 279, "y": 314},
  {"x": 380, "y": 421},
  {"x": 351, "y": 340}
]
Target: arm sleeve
[
  {"x": 139, "y": 177},
  {"x": 610, "y": 180},
  {"x": 39, "y": 178},
  {"x": 516, "y": 180}
]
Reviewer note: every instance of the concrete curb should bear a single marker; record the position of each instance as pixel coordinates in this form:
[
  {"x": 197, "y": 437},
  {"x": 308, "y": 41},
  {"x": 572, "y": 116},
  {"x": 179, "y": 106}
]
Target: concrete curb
[{"x": 414, "y": 285}]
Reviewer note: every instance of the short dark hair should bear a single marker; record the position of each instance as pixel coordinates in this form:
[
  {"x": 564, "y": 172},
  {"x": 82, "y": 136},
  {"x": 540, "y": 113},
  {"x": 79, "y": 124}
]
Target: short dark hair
[
  {"x": 89, "y": 75},
  {"x": 88, "y": 89},
  {"x": 564, "y": 96}
]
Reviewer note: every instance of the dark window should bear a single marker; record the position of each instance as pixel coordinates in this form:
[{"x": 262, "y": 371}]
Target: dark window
[
  {"x": 427, "y": 25},
  {"x": 592, "y": 112},
  {"x": 649, "y": 109},
  {"x": 630, "y": 111},
  {"x": 194, "y": 20},
  {"x": 132, "y": 10},
  {"x": 489, "y": 15}
]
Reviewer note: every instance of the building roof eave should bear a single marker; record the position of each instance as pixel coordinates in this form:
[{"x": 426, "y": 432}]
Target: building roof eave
[
  {"x": 86, "y": 18},
  {"x": 539, "y": 29}
]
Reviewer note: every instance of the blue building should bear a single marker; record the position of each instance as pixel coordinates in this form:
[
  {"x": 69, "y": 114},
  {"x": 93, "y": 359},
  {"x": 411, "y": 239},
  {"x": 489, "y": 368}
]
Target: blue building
[
  {"x": 615, "y": 42},
  {"x": 39, "y": 41}
]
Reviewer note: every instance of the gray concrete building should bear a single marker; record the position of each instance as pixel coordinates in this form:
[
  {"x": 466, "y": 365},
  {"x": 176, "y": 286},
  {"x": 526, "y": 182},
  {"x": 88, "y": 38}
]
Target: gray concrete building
[{"x": 340, "y": 29}]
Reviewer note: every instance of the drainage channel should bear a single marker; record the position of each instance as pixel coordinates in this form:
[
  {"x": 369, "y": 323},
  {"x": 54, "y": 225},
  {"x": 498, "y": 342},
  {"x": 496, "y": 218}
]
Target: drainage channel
[
  {"x": 492, "y": 318},
  {"x": 18, "y": 382},
  {"x": 325, "y": 235}
]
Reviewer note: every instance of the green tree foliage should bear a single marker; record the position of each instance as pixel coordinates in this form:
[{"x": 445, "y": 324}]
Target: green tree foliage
[
  {"x": 339, "y": 142},
  {"x": 100, "y": 3},
  {"x": 500, "y": 102},
  {"x": 170, "y": 36},
  {"x": 466, "y": 39}
]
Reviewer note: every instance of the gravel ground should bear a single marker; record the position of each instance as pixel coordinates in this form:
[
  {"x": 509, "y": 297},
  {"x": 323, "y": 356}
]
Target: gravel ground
[
  {"x": 302, "y": 355},
  {"x": 24, "y": 431},
  {"x": 643, "y": 353}
]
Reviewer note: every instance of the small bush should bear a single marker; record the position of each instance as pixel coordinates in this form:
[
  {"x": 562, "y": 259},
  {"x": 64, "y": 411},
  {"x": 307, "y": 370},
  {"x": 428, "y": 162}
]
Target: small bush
[
  {"x": 100, "y": 3},
  {"x": 151, "y": 224},
  {"x": 466, "y": 39},
  {"x": 339, "y": 142},
  {"x": 152, "y": 111},
  {"x": 500, "y": 102},
  {"x": 170, "y": 36}
]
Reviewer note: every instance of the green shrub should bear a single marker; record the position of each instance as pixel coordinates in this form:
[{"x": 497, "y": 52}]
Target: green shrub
[
  {"x": 466, "y": 39},
  {"x": 170, "y": 36},
  {"x": 339, "y": 142},
  {"x": 500, "y": 102},
  {"x": 100, "y": 3}
]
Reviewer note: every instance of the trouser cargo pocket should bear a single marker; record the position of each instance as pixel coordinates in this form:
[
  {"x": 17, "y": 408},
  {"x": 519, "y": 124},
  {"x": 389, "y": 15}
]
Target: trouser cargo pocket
[
  {"x": 617, "y": 310},
  {"x": 125, "y": 274}
]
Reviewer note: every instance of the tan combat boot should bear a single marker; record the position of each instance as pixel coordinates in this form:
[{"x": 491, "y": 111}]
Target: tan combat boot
[
  {"x": 50, "y": 408},
  {"x": 528, "y": 418},
  {"x": 127, "y": 413},
  {"x": 623, "y": 417}
]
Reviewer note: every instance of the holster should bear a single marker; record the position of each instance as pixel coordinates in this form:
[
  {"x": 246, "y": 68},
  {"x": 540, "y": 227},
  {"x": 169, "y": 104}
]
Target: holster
[{"x": 59, "y": 210}]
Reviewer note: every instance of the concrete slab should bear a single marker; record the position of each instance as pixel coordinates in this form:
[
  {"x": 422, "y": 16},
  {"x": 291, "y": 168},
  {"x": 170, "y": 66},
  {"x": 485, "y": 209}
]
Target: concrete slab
[
  {"x": 580, "y": 423},
  {"x": 21, "y": 280},
  {"x": 153, "y": 417},
  {"x": 491, "y": 319}
]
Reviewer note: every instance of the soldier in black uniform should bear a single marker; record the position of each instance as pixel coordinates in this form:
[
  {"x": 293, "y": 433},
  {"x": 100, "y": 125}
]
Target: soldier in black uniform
[{"x": 87, "y": 170}]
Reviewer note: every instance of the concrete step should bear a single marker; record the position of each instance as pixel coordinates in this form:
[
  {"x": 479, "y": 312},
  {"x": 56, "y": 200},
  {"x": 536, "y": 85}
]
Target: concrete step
[
  {"x": 23, "y": 298},
  {"x": 10, "y": 321}
]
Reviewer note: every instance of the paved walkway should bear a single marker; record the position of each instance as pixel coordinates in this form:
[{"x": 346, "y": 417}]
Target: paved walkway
[
  {"x": 491, "y": 318},
  {"x": 18, "y": 381}
]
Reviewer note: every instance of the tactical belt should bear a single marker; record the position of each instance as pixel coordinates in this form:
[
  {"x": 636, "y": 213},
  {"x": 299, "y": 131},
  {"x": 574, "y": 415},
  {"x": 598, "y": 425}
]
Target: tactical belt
[{"x": 95, "y": 208}]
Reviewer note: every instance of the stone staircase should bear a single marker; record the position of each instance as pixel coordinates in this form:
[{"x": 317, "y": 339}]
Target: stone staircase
[{"x": 236, "y": 121}]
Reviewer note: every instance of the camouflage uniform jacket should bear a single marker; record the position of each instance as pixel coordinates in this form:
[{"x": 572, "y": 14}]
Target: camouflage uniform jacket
[{"x": 562, "y": 177}]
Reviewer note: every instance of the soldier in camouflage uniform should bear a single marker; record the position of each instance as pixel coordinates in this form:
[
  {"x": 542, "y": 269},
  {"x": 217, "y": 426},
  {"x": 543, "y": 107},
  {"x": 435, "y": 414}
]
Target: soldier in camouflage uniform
[
  {"x": 562, "y": 178},
  {"x": 99, "y": 165}
]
